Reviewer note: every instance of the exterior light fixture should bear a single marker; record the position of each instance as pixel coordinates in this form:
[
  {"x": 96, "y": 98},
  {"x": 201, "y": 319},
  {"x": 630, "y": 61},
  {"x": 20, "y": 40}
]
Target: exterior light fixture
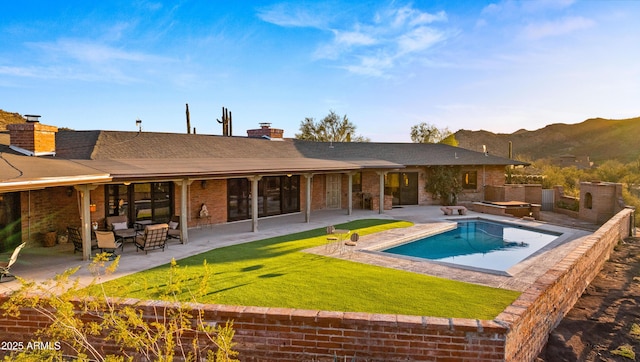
[{"x": 69, "y": 191}]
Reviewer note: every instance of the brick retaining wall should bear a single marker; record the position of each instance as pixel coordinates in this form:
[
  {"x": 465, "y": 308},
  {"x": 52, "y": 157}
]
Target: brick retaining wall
[
  {"x": 517, "y": 334},
  {"x": 543, "y": 305}
]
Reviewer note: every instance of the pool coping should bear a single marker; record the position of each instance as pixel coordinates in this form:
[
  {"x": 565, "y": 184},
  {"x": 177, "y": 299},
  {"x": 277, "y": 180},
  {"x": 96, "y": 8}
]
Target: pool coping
[{"x": 519, "y": 277}]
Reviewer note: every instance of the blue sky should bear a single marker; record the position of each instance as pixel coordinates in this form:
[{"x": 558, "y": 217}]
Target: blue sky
[{"x": 498, "y": 66}]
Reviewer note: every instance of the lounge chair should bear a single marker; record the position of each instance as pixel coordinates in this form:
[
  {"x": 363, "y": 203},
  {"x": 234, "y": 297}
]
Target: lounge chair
[
  {"x": 107, "y": 242},
  {"x": 6, "y": 265},
  {"x": 154, "y": 237}
]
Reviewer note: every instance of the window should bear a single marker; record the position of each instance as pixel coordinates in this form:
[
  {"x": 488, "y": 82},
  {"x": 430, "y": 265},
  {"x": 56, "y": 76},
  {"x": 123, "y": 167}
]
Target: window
[{"x": 469, "y": 180}]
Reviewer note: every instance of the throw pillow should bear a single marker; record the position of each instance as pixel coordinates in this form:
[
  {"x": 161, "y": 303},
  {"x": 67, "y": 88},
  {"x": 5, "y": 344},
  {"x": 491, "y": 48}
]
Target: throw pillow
[
  {"x": 120, "y": 225},
  {"x": 173, "y": 225}
]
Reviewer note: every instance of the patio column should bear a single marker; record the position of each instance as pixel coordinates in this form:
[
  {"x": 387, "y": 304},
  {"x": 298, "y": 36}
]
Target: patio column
[
  {"x": 381, "y": 206},
  {"x": 350, "y": 194},
  {"x": 307, "y": 205},
  {"x": 85, "y": 217},
  {"x": 254, "y": 202},
  {"x": 184, "y": 212}
]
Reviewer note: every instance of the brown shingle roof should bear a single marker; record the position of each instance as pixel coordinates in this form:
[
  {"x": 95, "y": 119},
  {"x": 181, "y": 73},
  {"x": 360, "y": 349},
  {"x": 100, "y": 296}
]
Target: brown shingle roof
[{"x": 19, "y": 172}]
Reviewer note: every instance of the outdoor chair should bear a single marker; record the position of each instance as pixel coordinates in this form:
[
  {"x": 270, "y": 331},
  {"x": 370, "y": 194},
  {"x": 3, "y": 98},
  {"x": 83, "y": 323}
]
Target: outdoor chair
[
  {"x": 331, "y": 237},
  {"x": 6, "y": 265},
  {"x": 75, "y": 237},
  {"x": 350, "y": 244},
  {"x": 107, "y": 243},
  {"x": 174, "y": 228},
  {"x": 154, "y": 237},
  {"x": 353, "y": 241}
]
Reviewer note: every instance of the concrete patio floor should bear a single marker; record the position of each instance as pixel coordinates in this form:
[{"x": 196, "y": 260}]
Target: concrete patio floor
[{"x": 37, "y": 263}]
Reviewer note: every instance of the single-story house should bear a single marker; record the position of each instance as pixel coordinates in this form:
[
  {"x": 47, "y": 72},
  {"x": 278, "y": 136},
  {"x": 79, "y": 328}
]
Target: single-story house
[{"x": 51, "y": 178}]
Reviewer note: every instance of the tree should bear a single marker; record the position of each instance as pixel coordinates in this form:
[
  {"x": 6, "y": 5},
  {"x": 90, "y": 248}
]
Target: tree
[
  {"x": 443, "y": 182},
  {"x": 428, "y": 133},
  {"x": 330, "y": 129}
]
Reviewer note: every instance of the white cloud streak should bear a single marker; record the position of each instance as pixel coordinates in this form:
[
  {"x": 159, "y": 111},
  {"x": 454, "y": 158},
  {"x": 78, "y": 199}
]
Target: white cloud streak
[
  {"x": 367, "y": 47},
  {"x": 556, "y": 28}
]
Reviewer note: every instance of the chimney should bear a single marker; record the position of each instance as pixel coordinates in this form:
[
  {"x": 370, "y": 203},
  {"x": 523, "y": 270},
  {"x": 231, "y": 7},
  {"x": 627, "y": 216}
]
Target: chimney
[
  {"x": 265, "y": 131},
  {"x": 33, "y": 138}
]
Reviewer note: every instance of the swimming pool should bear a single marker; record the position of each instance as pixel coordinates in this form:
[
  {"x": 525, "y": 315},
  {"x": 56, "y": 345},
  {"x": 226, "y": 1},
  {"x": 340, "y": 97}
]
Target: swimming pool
[{"x": 478, "y": 244}]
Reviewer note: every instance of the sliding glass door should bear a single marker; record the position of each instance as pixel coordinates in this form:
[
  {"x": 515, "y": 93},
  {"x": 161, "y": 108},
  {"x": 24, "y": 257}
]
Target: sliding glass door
[
  {"x": 276, "y": 195},
  {"x": 141, "y": 201}
]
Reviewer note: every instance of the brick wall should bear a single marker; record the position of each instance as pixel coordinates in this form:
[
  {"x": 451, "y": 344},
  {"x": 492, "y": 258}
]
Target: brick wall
[
  {"x": 45, "y": 210},
  {"x": 542, "y": 306},
  {"x": 213, "y": 194},
  {"x": 606, "y": 200},
  {"x": 279, "y": 334}
]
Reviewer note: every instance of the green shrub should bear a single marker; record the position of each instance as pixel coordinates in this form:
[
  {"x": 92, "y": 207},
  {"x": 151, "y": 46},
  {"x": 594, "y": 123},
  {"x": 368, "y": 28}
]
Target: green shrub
[{"x": 60, "y": 298}]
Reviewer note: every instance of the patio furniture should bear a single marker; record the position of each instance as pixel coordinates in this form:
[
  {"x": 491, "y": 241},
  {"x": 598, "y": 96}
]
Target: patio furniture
[
  {"x": 350, "y": 244},
  {"x": 448, "y": 210},
  {"x": 335, "y": 238},
  {"x": 6, "y": 265},
  {"x": 75, "y": 238},
  {"x": 107, "y": 243},
  {"x": 120, "y": 226},
  {"x": 154, "y": 237},
  {"x": 353, "y": 240},
  {"x": 174, "y": 228},
  {"x": 331, "y": 237}
]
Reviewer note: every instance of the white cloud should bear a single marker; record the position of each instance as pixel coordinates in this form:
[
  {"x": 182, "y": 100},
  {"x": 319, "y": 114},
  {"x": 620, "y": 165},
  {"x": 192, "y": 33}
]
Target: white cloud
[
  {"x": 558, "y": 27},
  {"x": 353, "y": 38},
  {"x": 368, "y": 46},
  {"x": 419, "y": 39},
  {"x": 291, "y": 15},
  {"x": 90, "y": 52}
]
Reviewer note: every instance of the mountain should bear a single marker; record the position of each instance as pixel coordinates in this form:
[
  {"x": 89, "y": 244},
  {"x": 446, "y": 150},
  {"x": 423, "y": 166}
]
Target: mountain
[
  {"x": 9, "y": 118},
  {"x": 600, "y": 139}
]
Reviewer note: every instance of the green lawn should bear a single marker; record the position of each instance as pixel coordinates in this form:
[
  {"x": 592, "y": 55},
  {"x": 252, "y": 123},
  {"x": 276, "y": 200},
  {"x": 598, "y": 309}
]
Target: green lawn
[{"x": 275, "y": 273}]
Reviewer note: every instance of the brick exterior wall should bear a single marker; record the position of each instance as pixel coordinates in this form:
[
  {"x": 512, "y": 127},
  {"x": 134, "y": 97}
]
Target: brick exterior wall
[
  {"x": 46, "y": 210},
  {"x": 214, "y": 195},
  {"x": 279, "y": 334}
]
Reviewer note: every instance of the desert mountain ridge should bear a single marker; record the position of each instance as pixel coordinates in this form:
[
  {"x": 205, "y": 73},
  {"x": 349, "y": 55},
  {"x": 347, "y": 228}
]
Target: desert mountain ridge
[
  {"x": 598, "y": 138},
  {"x": 9, "y": 118}
]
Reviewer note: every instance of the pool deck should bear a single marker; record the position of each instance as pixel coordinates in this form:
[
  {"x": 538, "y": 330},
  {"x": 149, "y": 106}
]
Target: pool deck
[
  {"x": 37, "y": 263},
  {"x": 519, "y": 277}
]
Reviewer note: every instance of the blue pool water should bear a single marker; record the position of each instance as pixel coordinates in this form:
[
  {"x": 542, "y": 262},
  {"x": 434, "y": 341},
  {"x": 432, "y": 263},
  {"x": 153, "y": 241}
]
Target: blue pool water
[{"x": 479, "y": 244}]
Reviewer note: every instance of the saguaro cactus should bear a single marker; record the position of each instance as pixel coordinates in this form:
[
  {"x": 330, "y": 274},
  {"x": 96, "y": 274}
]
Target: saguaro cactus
[{"x": 226, "y": 122}]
